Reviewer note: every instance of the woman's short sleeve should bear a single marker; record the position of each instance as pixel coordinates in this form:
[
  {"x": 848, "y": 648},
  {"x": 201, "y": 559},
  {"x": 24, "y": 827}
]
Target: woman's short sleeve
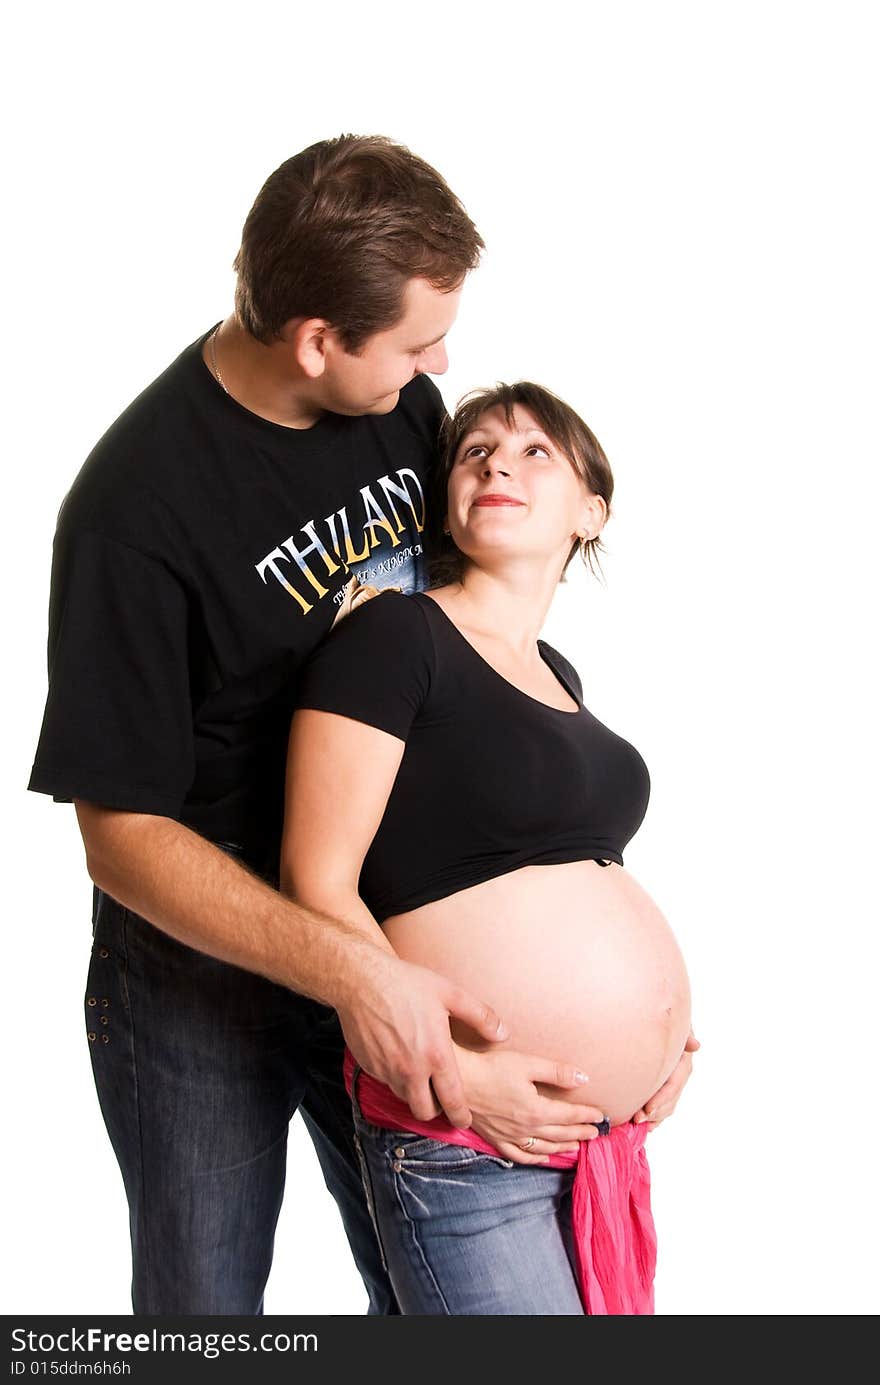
[{"x": 376, "y": 666}]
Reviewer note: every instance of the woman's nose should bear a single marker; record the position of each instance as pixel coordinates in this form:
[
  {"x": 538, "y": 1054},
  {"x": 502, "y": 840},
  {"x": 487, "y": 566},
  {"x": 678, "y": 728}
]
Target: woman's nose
[{"x": 495, "y": 463}]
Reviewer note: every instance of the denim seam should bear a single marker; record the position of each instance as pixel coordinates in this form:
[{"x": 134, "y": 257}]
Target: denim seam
[
  {"x": 370, "y": 1199},
  {"x": 142, "y": 1215},
  {"x": 366, "y": 1177},
  {"x": 410, "y": 1223}
]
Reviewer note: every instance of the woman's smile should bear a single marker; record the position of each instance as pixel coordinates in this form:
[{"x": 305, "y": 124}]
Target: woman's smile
[{"x": 493, "y": 498}]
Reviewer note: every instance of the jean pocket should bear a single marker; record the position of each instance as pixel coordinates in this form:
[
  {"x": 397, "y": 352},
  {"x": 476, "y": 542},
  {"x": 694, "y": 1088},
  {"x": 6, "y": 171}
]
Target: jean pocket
[{"x": 425, "y": 1154}]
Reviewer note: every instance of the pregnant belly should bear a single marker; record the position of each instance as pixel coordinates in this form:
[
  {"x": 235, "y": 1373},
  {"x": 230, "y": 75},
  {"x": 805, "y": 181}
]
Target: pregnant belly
[{"x": 579, "y": 962}]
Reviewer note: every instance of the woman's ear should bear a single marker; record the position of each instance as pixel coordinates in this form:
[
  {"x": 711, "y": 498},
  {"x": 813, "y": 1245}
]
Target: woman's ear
[{"x": 594, "y": 513}]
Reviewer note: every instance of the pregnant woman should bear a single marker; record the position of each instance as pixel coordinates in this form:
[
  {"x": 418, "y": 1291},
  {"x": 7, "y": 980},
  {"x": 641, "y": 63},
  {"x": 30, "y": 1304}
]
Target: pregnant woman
[{"x": 445, "y": 777}]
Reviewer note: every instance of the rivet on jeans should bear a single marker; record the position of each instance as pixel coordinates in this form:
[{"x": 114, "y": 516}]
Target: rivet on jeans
[
  {"x": 400, "y": 1152},
  {"x": 103, "y": 952},
  {"x": 91, "y": 1000},
  {"x": 92, "y": 1037},
  {"x": 104, "y": 1019},
  {"x": 397, "y": 1166},
  {"x": 105, "y": 1038},
  {"x": 105, "y": 1002}
]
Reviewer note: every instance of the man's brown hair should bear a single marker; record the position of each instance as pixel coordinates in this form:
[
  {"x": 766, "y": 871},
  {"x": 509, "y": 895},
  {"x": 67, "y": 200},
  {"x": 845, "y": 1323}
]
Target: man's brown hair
[
  {"x": 563, "y": 426},
  {"x": 338, "y": 230}
]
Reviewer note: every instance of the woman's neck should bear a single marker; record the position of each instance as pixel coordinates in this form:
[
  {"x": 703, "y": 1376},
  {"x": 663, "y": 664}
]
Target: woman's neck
[{"x": 509, "y": 605}]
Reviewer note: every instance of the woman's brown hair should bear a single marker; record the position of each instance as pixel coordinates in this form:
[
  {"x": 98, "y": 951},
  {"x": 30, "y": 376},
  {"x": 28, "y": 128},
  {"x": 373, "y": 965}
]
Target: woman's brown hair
[
  {"x": 562, "y": 425},
  {"x": 338, "y": 230}
]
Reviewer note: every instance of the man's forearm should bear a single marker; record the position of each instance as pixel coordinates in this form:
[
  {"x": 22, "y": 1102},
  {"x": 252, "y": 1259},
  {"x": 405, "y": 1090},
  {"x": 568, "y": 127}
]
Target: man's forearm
[{"x": 199, "y": 895}]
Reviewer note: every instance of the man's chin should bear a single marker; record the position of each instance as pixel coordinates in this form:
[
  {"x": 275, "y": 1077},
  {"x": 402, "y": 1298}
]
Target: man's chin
[
  {"x": 378, "y": 406},
  {"x": 384, "y": 405}
]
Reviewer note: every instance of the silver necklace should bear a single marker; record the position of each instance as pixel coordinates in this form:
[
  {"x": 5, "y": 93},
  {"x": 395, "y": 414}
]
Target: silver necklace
[{"x": 213, "y": 347}]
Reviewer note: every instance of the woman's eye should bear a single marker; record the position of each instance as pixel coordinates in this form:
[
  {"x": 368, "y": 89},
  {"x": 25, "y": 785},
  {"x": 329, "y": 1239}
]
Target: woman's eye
[
  {"x": 473, "y": 450},
  {"x": 539, "y": 447}
]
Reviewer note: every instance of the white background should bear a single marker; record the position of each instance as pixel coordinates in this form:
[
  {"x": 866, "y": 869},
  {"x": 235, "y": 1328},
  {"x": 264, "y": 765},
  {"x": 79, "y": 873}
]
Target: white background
[{"x": 679, "y": 206}]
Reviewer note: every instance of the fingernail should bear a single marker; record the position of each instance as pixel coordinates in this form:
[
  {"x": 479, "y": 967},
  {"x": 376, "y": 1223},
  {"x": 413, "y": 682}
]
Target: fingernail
[
  {"x": 580, "y": 1076},
  {"x": 639, "y": 1119},
  {"x": 502, "y": 1031}
]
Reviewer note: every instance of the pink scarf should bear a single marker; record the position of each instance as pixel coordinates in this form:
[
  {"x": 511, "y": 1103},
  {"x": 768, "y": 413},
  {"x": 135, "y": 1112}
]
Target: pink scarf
[{"x": 615, "y": 1240}]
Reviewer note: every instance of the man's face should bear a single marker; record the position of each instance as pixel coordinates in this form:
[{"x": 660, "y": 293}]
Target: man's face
[{"x": 370, "y": 383}]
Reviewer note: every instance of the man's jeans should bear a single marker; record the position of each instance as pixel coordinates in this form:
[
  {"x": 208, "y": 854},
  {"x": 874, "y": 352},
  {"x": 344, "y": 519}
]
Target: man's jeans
[
  {"x": 199, "y": 1068},
  {"x": 466, "y": 1233}
]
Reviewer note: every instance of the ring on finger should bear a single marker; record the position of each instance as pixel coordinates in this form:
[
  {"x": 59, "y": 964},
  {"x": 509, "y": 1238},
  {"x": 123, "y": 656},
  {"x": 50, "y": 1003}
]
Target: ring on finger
[{"x": 527, "y": 1144}]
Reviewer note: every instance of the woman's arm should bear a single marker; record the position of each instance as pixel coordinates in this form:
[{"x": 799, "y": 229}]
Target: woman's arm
[{"x": 339, "y": 775}]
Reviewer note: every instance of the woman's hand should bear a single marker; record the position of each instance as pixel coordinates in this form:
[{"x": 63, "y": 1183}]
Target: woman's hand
[
  {"x": 509, "y": 1110},
  {"x": 664, "y": 1102},
  {"x": 397, "y": 1027}
]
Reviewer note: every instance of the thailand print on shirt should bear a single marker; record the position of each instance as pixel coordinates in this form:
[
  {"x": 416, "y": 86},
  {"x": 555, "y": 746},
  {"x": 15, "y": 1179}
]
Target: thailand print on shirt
[{"x": 373, "y": 542}]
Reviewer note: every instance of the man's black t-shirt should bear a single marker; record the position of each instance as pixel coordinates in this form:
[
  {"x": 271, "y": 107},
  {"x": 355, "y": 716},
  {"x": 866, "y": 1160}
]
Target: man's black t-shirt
[{"x": 201, "y": 555}]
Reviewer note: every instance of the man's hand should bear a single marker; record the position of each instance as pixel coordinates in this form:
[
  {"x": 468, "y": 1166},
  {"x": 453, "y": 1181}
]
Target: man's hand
[
  {"x": 664, "y": 1102},
  {"x": 504, "y": 1091},
  {"x": 397, "y": 1027}
]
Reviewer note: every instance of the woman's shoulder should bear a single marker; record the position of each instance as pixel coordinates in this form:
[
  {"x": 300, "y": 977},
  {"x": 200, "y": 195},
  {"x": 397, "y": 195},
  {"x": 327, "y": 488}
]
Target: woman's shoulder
[
  {"x": 376, "y": 664},
  {"x": 563, "y": 669},
  {"x": 386, "y": 627},
  {"x": 388, "y": 609}
]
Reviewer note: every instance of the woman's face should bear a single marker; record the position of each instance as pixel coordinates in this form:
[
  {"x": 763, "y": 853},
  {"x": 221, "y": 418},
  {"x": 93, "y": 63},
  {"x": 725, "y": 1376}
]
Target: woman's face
[{"x": 511, "y": 489}]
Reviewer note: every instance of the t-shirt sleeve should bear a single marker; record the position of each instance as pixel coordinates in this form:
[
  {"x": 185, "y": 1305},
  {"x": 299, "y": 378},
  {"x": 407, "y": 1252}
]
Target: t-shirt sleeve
[
  {"x": 376, "y": 666},
  {"x": 117, "y": 728}
]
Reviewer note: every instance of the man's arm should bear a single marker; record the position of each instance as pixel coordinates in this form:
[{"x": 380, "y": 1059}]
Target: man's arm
[{"x": 395, "y": 1015}]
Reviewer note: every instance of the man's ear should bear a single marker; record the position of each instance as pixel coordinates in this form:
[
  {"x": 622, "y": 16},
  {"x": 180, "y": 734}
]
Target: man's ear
[{"x": 307, "y": 339}]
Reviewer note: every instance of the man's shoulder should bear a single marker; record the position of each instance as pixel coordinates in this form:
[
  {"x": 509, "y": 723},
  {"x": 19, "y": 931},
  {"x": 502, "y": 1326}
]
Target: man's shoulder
[
  {"x": 125, "y": 469},
  {"x": 421, "y": 406}
]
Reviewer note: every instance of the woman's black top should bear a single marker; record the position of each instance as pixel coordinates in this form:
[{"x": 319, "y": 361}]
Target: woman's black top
[{"x": 491, "y": 778}]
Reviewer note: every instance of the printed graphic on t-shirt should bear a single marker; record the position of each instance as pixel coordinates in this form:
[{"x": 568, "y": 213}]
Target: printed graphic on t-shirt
[{"x": 376, "y": 538}]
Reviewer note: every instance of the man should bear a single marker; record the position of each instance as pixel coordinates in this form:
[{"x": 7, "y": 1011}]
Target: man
[{"x": 204, "y": 549}]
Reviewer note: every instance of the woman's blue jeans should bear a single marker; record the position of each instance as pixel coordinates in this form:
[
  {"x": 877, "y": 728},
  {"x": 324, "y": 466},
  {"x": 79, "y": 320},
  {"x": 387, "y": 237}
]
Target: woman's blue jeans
[
  {"x": 464, "y": 1233},
  {"x": 199, "y": 1068}
]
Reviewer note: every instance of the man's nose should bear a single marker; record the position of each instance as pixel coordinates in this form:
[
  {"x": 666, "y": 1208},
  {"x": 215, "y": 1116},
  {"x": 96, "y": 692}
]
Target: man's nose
[{"x": 434, "y": 361}]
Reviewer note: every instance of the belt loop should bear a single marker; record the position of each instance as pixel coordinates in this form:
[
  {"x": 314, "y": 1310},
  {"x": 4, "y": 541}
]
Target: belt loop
[{"x": 355, "y": 1104}]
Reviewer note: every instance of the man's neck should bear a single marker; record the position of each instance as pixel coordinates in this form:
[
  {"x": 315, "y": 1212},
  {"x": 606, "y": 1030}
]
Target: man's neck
[{"x": 264, "y": 379}]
